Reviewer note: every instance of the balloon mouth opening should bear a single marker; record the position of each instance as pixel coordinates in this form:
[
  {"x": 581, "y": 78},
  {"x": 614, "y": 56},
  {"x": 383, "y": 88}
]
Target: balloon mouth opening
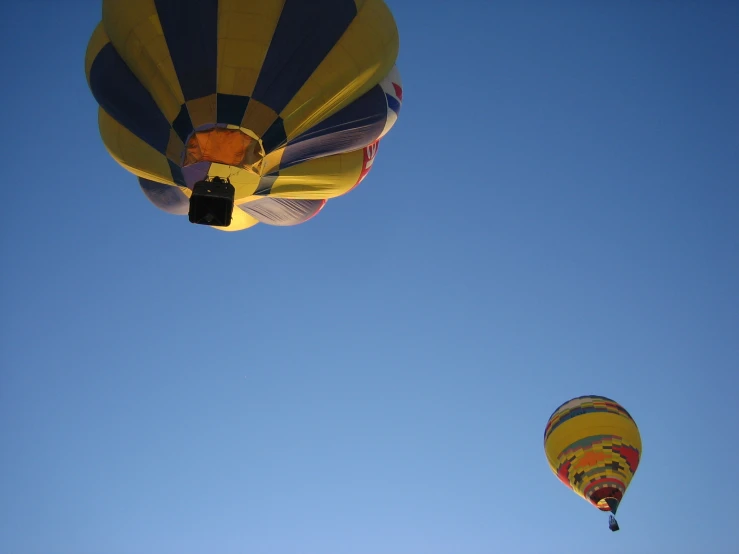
[
  {"x": 608, "y": 504},
  {"x": 226, "y": 146}
]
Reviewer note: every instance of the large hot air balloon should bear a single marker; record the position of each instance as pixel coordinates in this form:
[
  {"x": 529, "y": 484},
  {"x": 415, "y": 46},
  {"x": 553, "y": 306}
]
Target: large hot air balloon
[
  {"x": 244, "y": 111},
  {"x": 593, "y": 445}
]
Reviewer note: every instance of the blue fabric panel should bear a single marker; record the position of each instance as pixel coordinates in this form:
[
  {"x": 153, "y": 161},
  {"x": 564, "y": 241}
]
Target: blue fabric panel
[
  {"x": 282, "y": 211},
  {"x": 305, "y": 34},
  {"x": 182, "y": 124},
  {"x": 177, "y": 175},
  {"x": 352, "y": 128},
  {"x": 124, "y": 98},
  {"x": 274, "y": 137},
  {"x": 165, "y": 197},
  {"x": 191, "y": 30},
  {"x": 231, "y": 108}
]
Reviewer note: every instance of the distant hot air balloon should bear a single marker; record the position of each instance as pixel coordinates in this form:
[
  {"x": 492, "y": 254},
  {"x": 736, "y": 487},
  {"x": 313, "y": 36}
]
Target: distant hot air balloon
[
  {"x": 244, "y": 111},
  {"x": 593, "y": 445}
]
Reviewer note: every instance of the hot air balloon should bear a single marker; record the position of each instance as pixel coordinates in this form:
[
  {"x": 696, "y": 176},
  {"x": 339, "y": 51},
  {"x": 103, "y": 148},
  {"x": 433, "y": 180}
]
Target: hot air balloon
[
  {"x": 236, "y": 112},
  {"x": 593, "y": 446}
]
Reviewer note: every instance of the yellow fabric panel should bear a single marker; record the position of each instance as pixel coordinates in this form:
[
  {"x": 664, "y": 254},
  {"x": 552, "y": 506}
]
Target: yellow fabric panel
[
  {"x": 136, "y": 33},
  {"x": 98, "y": 41},
  {"x": 272, "y": 161},
  {"x": 245, "y": 30},
  {"x": 202, "y": 110},
  {"x": 175, "y": 147},
  {"x": 591, "y": 424},
  {"x": 244, "y": 181},
  {"x": 240, "y": 220},
  {"x": 131, "y": 152},
  {"x": 258, "y": 118},
  {"x": 361, "y": 59},
  {"x": 327, "y": 177}
]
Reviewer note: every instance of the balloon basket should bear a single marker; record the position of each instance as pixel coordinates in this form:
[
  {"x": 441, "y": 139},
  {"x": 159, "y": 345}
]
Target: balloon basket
[
  {"x": 613, "y": 524},
  {"x": 212, "y": 203}
]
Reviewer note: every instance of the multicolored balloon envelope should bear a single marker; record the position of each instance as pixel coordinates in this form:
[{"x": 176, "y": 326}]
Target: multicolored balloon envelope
[
  {"x": 285, "y": 99},
  {"x": 593, "y": 445}
]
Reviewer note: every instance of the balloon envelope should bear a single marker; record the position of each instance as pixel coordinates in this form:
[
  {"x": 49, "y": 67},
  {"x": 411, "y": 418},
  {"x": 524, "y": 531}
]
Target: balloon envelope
[
  {"x": 593, "y": 446},
  {"x": 288, "y": 99}
]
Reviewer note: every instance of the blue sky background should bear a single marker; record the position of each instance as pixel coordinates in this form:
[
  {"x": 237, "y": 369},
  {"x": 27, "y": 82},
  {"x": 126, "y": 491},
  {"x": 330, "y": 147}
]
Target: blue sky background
[{"x": 555, "y": 214}]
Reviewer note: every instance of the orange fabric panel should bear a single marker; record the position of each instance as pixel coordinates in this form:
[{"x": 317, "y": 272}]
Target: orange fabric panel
[
  {"x": 225, "y": 146},
  {"x": 590, "y": 459}
]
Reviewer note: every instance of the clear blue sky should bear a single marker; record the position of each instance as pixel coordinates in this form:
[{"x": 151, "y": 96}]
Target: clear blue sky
[{"x": 556, "y": 213}]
